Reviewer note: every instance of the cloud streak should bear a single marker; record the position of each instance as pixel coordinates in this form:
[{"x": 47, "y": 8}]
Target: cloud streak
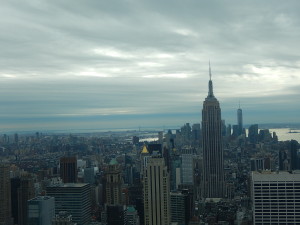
[{"x": 98, "y": 58}]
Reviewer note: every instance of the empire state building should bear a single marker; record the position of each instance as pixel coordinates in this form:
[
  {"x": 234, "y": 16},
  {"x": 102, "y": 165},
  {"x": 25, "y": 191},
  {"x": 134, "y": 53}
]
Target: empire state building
[{"x": 213, "y": 169}]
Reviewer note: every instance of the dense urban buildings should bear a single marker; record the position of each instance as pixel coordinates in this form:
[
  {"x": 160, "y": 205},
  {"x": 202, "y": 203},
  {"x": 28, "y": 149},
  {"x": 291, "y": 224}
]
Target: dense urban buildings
[
  {"x": 213, "y": 184},
  {"x": 208, "y": 173}
]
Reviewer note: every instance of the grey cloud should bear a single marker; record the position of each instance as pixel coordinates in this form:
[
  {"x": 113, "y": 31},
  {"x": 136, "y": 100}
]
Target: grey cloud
[{"x": 49, "y": 49}]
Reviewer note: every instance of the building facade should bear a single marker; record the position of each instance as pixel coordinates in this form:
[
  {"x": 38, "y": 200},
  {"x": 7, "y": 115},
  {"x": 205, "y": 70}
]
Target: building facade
[
  {"x": 240, "y": 120},
  {"x": 68, "y": 169},
  {"x": 275, "y": 197},
  {"x": 26, "y": 191},
  {"x": 156, "y": 193},
  {"x": 5, "y": 202},
  {"x": 74, "y": 198},
  {"x": 41, "y": 210},
  {"x": 113, "y": 184},
  {"x": 213, "y": 170}
]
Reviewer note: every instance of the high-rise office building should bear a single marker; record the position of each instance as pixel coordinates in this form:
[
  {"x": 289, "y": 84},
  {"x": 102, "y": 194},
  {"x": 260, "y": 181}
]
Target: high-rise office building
[
  {"x": 213, "y": 172},
  {"x": 156, "y": 193},
  {"x": 240, "y": 120},
  {"x": 68, "y": 169},
  {"x": 275, "y": 197},
  {"x": 253, "y": 133},
  {"x": 113, "y": 184},
  {"x": 187, "y": 167},
  {"x": 89, "y": 175},
  {"x": 178, "y": 207},
  {"x": 74, "y": 198},
  {"x": 41, "y": 210},
  {"x": 15, "y": 184},
  {"x": 26, "y": 191},
  {"x": 5, "y": 202}
]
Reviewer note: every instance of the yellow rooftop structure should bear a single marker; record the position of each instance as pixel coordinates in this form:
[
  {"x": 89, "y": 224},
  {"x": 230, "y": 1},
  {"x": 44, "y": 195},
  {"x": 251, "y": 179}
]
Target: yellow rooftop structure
[{"x": 145, "y": 150}]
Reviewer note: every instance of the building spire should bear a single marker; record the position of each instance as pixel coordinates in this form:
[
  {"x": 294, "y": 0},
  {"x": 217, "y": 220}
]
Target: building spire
[
  {"x": 209, "y": 70},
  {"x": 210, "y": 85}
]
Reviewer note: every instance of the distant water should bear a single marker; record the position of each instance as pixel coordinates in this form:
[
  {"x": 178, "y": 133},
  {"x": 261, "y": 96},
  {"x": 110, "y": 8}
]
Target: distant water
[{"x": 284, "y": 135}]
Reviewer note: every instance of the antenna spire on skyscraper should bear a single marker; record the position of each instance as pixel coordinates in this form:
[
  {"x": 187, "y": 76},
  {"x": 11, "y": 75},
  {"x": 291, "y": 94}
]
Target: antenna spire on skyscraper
[
  {"x": 210, "y": 85},
  {"x": 209, "y": 70}
]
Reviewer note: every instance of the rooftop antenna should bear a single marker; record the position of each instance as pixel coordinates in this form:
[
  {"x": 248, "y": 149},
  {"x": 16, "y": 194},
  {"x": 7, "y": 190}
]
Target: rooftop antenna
[
  {"x": 209, "y": 70},
  {"x": 210, "y": 85}
]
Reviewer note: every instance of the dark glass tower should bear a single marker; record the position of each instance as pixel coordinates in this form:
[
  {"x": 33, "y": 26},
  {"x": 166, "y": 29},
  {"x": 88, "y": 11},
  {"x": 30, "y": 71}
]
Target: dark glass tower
[
  {"x": 240, "y": 120},
  {"x": 213, "y": 169}
]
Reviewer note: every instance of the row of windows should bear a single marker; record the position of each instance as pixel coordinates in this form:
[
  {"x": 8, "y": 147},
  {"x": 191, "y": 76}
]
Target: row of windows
[
  {"x": 277, "y": 184},
  {"x": 275, "y": 210}
]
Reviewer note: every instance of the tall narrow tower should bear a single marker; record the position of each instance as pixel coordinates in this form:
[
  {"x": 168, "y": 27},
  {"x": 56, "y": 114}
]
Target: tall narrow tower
[
  {"x": 157, "y": 193},
  {"x": 213, "y": 171},
  {"x": 240, "y": 120}
]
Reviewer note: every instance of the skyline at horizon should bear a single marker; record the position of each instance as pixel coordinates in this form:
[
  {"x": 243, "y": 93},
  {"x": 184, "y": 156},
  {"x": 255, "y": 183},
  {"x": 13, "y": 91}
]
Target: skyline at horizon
[{"x": 103, "y": 65}]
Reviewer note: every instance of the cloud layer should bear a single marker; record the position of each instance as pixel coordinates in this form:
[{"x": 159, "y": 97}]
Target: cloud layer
[{"x": 131, "y": 62}]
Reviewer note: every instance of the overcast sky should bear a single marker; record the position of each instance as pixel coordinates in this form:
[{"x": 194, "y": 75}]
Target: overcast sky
[{"x": 124, "y": 64}]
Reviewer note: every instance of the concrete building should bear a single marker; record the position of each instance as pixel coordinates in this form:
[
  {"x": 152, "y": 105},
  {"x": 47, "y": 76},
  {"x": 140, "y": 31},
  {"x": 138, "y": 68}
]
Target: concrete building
[
  {"x": 113, "y": 184},
  {"x": 276, "y": 197},
  {"x": 156, "y": 193},
  {"x": 41, "y": 210},
  {"x": 187, "y": 166},
  {"x": 74, "y": 198},
  {"x": 178, "y": 207},
  {"x": 213, "y": 163}
]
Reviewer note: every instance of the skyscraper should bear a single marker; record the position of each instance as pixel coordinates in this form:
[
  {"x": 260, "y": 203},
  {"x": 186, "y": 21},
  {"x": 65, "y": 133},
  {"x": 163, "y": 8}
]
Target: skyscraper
[
  {"x": 26, "y": 191},
  {"x": 187, "y": 168},
  {"x": 157, "y": 192},
  {"x": 240, "y": 120},
  {"x": 213, "y": 171},
  {"x": 253, "y": 133},
  {"x": 5, "y": 203},
  {"x": 113, "y": 184},
  {"x": 68, "y": 169}
]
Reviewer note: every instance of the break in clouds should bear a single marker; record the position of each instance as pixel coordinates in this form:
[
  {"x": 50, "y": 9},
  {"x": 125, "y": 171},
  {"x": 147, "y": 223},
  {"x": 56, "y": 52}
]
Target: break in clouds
[{"x": 134, "y": 63}]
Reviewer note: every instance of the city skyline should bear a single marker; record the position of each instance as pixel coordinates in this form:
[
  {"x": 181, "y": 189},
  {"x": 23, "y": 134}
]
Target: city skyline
[{"x": 103, "y": 65}]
